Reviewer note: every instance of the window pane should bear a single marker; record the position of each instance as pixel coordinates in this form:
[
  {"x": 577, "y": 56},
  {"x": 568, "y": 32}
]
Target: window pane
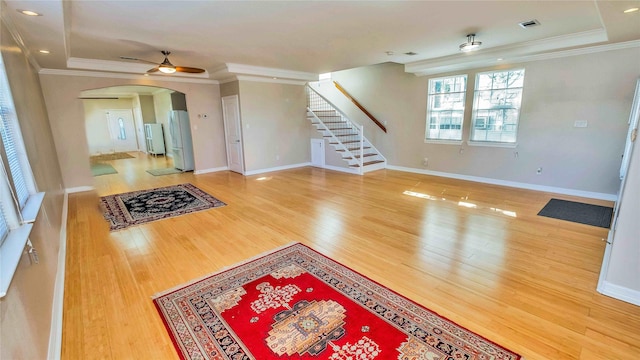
[
  {"x": 497, "y": 100},
  {"x": 445, "y": 108}
]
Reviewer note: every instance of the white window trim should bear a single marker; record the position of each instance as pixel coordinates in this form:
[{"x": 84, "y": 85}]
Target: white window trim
[
  {"x": 492, "y": 144},
  {"x": 444, "y": 142},
  {"x": 464, "y": 110}
]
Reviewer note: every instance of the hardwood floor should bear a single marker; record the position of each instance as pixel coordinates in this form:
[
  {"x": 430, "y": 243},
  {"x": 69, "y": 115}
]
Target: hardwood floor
[{"x": 524, "y": 281}]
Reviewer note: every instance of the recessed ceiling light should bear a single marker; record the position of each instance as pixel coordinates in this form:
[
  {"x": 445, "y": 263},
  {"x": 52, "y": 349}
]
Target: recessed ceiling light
[
  {"x": 411, "y": 53},
  {"x": 28, "y": 12},
  {"x": 389, "y": 53},
  {"x": 44, "y": 51},
  {"x": 630, "y": 10},
  {"x": 499, "y": 59}
]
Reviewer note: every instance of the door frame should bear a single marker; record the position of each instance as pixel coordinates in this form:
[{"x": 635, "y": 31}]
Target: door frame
[
  {"x": 229, "y": 100},
  {"x": 632, "y": 132},
  {"x": 133, "y": 126}
]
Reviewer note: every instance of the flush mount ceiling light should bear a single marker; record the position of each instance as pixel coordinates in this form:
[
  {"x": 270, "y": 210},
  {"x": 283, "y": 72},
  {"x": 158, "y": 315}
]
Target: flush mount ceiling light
[
  {"x": 44, "y": 51},
  {"x": 28, "y": 12},
  {"x": 471, "y": 44},
  {"x": 630, "y": 10}
]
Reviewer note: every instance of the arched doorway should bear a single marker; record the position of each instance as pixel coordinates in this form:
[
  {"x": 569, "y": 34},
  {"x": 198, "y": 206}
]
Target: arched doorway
[{"x": 132, "y": 122}]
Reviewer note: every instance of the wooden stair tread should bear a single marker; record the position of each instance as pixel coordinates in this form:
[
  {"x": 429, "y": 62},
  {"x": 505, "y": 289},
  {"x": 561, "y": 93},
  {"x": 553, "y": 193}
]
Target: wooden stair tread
[
  {"x": 328, "y": 136},
  {"x": 333, "y": 118},
  {"x": 365, "y": 155},
  {"x": 353, "y": 149}
]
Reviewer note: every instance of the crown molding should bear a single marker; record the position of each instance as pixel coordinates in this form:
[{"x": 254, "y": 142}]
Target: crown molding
[
  {"x": 534, "y": 50},
  {"x": 230, "y": 71},
  {"x": 270, "y": 80},
  {"x": 152, "y": 78},
  {"x": 461, "y": 66},
  {"x": 8, "y": 22}
]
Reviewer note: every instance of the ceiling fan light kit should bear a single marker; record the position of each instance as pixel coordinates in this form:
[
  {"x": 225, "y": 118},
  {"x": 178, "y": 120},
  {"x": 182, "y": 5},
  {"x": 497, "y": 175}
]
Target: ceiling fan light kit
[
  {"x": 471, "y": 44},
  {"x": 166, "y": 67}
]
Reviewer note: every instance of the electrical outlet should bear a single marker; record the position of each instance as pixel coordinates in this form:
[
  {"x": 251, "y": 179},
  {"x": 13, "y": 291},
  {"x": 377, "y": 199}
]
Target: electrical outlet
[
  {"x": 539, "y": 171},
  {"x": 425, "y": 162}
]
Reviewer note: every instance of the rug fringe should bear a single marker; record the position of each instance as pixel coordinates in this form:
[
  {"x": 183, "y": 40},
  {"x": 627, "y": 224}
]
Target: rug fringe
[{"x": 178, "y": 287}]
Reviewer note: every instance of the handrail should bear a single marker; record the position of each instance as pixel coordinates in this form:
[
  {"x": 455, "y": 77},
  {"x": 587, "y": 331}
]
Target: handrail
[{"x": 356, "y": 103}]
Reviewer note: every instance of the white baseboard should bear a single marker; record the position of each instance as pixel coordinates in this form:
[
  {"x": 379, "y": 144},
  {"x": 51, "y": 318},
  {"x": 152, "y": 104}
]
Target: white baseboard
[
  {"x": 204, "y": 171},
  {"x": 79, "y": 189},
  {"x": 520, "y": 185},
  {"x": 341, "y": 169},
  {"x": 277, "y": 168},
  {"x": 55, "y": 333},
  {"x": 620, "y": 292}
]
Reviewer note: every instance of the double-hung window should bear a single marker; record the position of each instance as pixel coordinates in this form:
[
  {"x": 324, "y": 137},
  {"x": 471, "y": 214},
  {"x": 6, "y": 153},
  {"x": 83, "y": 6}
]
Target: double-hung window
[
  {"x": 445, "y": 108},
  {"x": 19, "y": 201},
  {"x": 496, "y": 106}
]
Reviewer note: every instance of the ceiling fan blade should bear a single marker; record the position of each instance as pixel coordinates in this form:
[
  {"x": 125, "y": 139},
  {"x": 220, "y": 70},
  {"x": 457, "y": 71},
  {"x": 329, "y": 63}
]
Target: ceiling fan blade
[
  {"x": 136, "y": 59},
  {"x": 187, "y": 69},
  {"x": 153, "y": 70}
]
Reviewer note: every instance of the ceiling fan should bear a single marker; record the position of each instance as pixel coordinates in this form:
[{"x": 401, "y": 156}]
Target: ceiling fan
[{"x": 166, "y": 66}]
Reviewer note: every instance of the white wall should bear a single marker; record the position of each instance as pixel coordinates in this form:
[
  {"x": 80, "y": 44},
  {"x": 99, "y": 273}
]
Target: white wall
[
  {"x": 274, "y": 127},
  {"x": 147, "y": 109},
  {"x": 61, "y": 91},
  {"x": 26, "y": 310},
  {"x": 162, "y": 106},
  {"x": 596, "y": 87}
]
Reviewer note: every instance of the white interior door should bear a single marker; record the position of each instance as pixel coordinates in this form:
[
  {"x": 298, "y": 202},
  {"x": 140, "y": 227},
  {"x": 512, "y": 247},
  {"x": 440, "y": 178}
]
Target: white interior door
[
  {"x": 233, "y": 133},
  {"x": 122, "y": 130},
  {"x": 317, "y": 152}
]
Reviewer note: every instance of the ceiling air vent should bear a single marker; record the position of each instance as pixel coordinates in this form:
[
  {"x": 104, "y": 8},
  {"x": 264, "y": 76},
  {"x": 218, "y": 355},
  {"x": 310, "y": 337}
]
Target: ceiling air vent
[{"x": 529, "y": 23}]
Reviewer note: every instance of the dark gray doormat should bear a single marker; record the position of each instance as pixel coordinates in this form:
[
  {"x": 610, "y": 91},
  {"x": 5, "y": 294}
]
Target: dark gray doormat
[{"x": 595, "y": 215}]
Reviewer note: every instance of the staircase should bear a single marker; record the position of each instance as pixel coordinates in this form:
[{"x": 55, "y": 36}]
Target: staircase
[{"x": 346, "y": 137}]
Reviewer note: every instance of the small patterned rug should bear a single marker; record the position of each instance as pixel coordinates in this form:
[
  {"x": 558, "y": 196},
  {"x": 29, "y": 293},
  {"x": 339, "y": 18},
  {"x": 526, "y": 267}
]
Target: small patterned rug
[
  {"x": 98, "y": 169},
  {"x": 112, "y": 156},
  {"x": 167, "y": 171},
  {"x": 139, "y": 207},
  {"x": 295, "y": 303}
]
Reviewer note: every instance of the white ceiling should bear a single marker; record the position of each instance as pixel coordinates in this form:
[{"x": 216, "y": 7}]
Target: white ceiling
[{"x": 299, "y": 39}]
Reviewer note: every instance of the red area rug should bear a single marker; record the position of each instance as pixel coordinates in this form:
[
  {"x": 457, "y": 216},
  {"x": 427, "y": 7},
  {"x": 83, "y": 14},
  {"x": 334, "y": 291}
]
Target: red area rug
[{"x": 295, "y": 303}]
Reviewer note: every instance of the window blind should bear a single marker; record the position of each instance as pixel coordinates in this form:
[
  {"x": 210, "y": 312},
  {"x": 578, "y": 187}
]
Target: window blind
[
  {"x": 4, "y": 229},
  {"x": 15, "y": 169},
  {"x": 8, "y": 131}
]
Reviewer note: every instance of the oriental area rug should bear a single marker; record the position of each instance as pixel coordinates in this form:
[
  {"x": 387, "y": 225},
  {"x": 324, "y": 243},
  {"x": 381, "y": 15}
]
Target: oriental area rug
[
  {"x": 295, "y": 303},
  {"x": 138, "y": 207},
  {"x": 110, "y": 156}
]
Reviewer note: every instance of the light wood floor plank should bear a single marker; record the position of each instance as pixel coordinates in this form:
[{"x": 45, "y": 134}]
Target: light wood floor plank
[{"x": 526, "y": 282}]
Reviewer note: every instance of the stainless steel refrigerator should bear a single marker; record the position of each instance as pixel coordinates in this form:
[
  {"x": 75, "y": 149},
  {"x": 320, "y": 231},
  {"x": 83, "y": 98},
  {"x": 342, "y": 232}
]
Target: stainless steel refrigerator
[{"x": 181, "y": 144}]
